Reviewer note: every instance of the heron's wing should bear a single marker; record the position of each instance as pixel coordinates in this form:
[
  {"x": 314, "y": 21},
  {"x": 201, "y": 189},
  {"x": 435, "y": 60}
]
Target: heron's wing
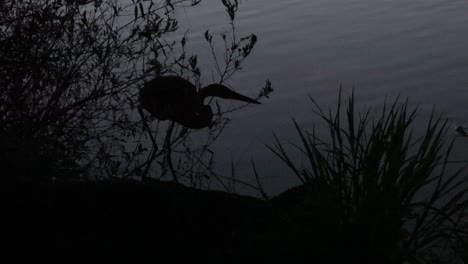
[{"x": 167, "y": 97}]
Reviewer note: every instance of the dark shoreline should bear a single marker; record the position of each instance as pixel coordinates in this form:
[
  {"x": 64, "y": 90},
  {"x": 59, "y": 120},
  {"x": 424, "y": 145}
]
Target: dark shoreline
[{"x": 167, "y": 218}]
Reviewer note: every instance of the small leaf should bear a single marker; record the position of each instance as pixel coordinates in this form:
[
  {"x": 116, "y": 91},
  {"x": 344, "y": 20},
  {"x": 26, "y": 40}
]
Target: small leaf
[
  {"x": 141, "y": 10},
  {"x": 183, "y": 41},
  {"x": 208, "y": 37},
  {"x": 193, "y": 61}
]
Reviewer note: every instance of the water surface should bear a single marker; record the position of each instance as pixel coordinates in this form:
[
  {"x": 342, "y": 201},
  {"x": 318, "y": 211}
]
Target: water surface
[{"x": 417, "y": 49}]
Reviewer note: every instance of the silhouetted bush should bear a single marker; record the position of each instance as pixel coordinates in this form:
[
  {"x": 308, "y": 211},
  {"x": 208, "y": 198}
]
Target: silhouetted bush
[
  {"x": 375, "y": 191},
  {"x": 71, "y": 71}
]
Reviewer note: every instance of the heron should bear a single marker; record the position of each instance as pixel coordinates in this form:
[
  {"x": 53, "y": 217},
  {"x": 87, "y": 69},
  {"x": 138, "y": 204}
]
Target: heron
[{"x": 177, "y": 99}]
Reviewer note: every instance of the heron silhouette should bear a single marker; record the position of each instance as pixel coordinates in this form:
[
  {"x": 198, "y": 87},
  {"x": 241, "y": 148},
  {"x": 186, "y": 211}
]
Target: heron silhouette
[{"x": 175, "y": 98}]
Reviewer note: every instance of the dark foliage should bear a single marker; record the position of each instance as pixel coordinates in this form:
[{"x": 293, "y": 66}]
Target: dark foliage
[
  {"x": 382, "y": 190},
  {"x": 71, "y": 71}
]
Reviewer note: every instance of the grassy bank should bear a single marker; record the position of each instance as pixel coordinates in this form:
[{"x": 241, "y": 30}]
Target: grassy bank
[{"x": 372, "y": 192}]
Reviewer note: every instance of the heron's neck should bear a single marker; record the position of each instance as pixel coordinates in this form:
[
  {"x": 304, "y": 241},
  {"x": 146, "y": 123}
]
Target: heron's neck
[{"x": 214, "y": 89}]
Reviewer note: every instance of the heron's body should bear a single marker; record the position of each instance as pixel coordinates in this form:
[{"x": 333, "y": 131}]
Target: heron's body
[{"x": 177, "y": 99}]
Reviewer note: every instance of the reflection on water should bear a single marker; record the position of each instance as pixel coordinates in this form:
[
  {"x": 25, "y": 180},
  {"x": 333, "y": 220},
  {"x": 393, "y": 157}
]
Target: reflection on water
[{"x": 384, "y": 48}]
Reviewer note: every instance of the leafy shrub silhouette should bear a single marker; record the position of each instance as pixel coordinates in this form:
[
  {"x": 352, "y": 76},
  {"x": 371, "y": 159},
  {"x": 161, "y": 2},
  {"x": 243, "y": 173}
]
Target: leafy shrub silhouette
[
  {"x": 391, "y": 194},
  {"x": 71, "y": 71}
]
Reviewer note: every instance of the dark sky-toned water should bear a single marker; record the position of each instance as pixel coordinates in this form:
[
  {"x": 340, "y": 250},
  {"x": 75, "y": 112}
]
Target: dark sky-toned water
[{"x": 416, "y": 48}]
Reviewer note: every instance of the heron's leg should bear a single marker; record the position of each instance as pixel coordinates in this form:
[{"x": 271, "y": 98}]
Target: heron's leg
[
  {"x": 168, "y": 147},
  {"x": 153, "y": 141}
]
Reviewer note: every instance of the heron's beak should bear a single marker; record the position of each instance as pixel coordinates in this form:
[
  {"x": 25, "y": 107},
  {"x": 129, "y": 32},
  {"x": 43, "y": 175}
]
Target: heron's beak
[
  {"x": 222, "y": 91},
  {"x": 229, "y": 94}
]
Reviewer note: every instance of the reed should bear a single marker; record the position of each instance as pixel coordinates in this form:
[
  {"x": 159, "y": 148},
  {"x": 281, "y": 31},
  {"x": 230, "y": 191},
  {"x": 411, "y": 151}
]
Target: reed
[{"x": 398, "y": 195}]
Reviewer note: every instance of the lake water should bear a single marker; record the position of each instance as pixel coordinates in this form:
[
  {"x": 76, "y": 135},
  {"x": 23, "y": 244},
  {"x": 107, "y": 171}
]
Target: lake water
[{"x": 415, "y": 48}]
